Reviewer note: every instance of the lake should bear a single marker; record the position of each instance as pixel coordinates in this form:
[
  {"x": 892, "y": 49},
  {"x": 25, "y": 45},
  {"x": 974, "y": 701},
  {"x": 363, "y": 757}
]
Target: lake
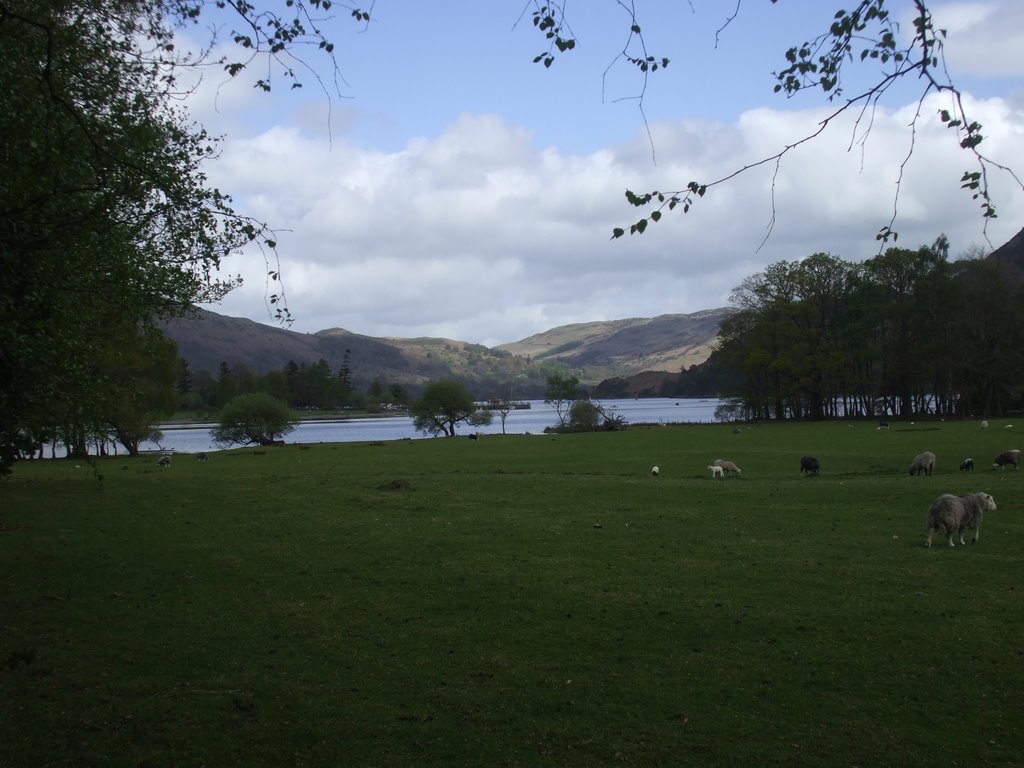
[{"x": 194, "y": 438}]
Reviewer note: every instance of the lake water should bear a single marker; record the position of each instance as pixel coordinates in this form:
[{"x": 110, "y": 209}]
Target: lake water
[{"x": 656, "y": 410}]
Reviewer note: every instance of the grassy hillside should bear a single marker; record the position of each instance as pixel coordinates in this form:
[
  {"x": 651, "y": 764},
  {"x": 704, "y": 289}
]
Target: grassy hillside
[
  {"x": 601, "y": 350},
  {"x": 593, "y": 351},
  {"x": 515, "y": 601}
]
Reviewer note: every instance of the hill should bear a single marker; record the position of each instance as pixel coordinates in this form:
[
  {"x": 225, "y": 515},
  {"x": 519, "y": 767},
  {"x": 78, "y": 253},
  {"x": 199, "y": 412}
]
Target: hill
[
  {"x": 592, "y": 351},
  {"x": 1010, "y": 257},
  {"x": 635, "y": 356},
  {"x": 627, "y": 347}
]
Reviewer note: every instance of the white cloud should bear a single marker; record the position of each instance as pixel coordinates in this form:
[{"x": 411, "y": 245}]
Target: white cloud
[
  {"x": 984, "y": 38},
  {"x": 482, "y": 232},
  {"x": 475, "y": 234}
]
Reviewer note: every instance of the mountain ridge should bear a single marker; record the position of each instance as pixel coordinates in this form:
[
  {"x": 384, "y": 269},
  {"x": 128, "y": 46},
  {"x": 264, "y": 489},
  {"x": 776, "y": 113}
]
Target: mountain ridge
[
  {"x": 593, "y": 351},
  {"x": 634, "y": 355}
]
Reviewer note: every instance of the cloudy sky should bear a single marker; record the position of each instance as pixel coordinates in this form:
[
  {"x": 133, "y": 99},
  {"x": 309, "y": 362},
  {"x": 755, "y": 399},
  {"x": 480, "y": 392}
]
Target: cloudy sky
[{"x": 456, "y": 189}]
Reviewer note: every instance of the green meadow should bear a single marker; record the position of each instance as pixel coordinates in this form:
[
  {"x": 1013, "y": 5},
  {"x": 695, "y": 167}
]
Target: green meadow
[{"x": 517, "y": 601}]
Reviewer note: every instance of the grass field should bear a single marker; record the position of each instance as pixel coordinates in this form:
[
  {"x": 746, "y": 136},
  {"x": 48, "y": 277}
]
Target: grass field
[{"x": 516, "y": 601}]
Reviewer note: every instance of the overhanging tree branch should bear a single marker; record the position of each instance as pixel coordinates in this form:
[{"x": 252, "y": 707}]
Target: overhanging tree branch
[{"x": 866, "y": 34}]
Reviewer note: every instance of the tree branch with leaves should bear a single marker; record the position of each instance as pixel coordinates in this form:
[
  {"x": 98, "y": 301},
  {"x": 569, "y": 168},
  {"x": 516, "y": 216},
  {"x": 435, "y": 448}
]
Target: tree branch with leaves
[{"x": 865, "y": 35}]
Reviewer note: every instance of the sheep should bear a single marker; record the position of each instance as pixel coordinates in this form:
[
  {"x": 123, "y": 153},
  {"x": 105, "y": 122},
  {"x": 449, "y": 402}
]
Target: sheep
[
  {"x": 967, "y": 465},
  {"x": 923, "y": 462},
  {"x": 716, "y": 471},
  {"x": 202, "y": 457},
  {"x": 727, "y": 466},
  {"x": 655, "y": 471},
  {"x": 883, "y": 425},
  {"x": 1008, "y": 457},
  {"x": 810, "y": 465},
  {"x": 165, "y": 460},
  {"x": 984, "y": 425},
  {"x": 954, "y": 513}
]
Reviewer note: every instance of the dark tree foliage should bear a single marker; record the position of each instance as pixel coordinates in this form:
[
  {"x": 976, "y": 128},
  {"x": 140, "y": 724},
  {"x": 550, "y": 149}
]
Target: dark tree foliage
[
  {"x": 139, "y": 390},
  {"x": 562, "y": 391},
  {"x": 712, "y": 378},
  {"x": 443, "y": 406},
  {"x": 254, "y": 418},
  {"x": 904, "y": 334},
  {"x": 107, "y": 218}
]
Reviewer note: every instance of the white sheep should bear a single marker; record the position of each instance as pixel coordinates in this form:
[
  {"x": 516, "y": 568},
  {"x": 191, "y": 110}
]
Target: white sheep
[
  {"x": 716, "y": 471},
  {"x": 923, "y": 462},
  {"x": 984, "y": 425},
  {"x": 655, "y": 471},
  {"x": 954, "y": 513},
  {"x": 727, "y": 466},
  {"x": 165, "y": 460}
]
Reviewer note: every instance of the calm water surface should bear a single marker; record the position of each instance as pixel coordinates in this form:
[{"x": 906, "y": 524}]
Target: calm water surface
[
  {"x": 658, "y": 410},
  {"x": 196, "y": 437}
]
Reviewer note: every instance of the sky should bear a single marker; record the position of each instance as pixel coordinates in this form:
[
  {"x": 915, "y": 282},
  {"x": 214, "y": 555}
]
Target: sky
[{"x": 447, "y": 186}]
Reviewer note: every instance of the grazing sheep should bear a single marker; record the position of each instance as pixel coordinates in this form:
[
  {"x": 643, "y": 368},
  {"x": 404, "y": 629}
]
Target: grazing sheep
[
  {"x": 923, "y": 462},
  {"x": 883, "y": 425},
  {"x": 716, "y": 471},
  {"x": 727, "y": 466},
  {"x": 202, "y": 457},
  {"x": 810, "y": 465},
  {"x": 165, "y": 460},
  {"x": 954, "y": 513},
  {"x": 655, "y": 471},
  {"x": 984, "y": 425},
  {"x": 1007, "y": 457},
  {"x": 967, "y": 465}
]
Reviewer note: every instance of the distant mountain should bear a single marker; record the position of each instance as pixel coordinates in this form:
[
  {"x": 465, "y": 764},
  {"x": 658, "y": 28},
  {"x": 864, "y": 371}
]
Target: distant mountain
[
  {"x": 626, "y": 347},
  {"x": 594, "y": 351}
]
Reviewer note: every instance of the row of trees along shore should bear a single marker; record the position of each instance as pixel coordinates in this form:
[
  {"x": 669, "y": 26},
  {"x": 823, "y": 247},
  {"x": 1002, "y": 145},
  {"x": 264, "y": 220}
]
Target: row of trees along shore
[
  {"x": 903, "y": 334},
  {"x": 148, "y": 384},
  {"x": 299, "y": 385}
]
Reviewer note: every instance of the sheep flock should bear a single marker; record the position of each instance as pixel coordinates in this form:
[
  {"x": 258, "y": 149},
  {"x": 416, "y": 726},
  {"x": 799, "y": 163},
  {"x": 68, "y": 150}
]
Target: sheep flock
[{"x": 949, "y": 513}]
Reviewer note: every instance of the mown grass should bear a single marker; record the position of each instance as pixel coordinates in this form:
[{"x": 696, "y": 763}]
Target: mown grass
[{"x": 521, "y": 600}]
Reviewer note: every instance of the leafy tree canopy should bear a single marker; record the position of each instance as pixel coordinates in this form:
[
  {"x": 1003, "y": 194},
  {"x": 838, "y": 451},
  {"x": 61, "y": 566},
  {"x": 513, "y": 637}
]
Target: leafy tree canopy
[
  {"x": 443, "y": 406},
  {"x": 561, "y": 393},
  {"x": 106, "y": 214},
  {"x": 904, "y": 333},
  {"x": 254, "y": 418}
]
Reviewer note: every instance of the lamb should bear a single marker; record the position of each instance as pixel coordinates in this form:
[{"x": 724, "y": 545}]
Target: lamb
[
  {"x": 1007, "y": 457},
  {"x": 716, "y": 471},
  {"x": 923, "y": 462},
  {"x": 727, "y": 466},
  {"x": 954, "y": 513},
  {"x": 967, "y": 465},
  {"x": 655, "y": 471},
  {"x": 810, "y": 465}
]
